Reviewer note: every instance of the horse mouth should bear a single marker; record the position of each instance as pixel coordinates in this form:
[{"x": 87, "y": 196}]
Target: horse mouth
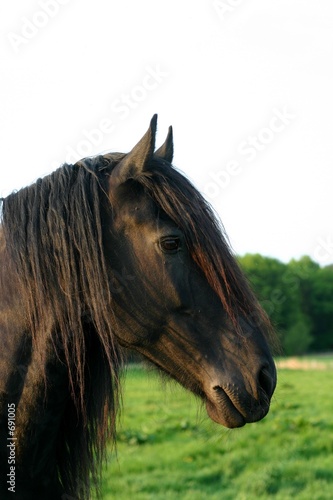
[{"x": 226, "y": 409}]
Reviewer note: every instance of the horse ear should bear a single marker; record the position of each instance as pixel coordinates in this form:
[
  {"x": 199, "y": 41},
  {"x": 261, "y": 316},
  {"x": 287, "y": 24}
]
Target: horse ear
[
  {"x": 166, "y": 150},
  {"x": 136, "y": 161}
]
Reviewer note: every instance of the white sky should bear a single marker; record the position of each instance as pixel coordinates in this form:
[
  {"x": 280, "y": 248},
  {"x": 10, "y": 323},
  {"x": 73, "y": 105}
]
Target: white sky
[{"x": 247, "y": 86}]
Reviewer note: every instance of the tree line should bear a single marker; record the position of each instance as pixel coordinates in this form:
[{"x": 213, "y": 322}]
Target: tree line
[{"x": 298, "y": 297}]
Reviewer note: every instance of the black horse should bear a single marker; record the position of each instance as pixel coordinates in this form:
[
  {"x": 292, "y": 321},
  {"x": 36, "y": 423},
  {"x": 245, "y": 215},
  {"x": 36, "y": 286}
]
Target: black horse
[{"x": 115, "y": 251}]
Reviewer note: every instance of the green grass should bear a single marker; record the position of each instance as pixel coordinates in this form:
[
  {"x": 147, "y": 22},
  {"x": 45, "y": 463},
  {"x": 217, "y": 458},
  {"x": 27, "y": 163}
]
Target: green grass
[{"x": 169, "y": 449}]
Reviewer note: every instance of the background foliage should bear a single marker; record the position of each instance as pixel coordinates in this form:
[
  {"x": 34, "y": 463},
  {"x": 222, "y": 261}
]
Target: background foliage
[{"x": 298, "y": 297}]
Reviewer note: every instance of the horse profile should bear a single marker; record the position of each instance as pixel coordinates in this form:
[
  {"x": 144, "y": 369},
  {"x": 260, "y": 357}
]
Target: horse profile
[{"x": 116, "y": 251}]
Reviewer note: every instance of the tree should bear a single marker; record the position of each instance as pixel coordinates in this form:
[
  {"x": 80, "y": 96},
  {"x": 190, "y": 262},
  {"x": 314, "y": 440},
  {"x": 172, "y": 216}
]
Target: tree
[
  {"x": 298, "y": 297},
  {"x": 322, "y": 309}
]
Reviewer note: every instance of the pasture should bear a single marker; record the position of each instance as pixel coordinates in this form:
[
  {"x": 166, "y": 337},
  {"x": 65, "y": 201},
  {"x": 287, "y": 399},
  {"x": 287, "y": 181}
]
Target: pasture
[{"x": 169, "y": 449}]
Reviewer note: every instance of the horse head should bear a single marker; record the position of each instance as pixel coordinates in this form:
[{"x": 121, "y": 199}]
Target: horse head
[{"x": 179, "y": 296}]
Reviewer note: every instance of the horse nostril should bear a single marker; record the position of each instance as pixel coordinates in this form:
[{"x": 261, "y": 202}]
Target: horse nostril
[{"x": 267, "y": 380}]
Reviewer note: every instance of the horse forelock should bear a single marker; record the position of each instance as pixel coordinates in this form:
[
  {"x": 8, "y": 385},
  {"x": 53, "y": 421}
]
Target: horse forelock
[{"x": 208, "y": 244}]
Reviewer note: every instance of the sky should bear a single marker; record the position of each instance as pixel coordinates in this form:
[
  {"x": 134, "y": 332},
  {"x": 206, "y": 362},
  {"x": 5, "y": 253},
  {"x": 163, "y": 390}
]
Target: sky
[{"x": 246, "y": 84}]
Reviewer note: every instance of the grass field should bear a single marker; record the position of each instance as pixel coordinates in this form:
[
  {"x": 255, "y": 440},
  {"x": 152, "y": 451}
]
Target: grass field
[{"x": 169, "y": 449}]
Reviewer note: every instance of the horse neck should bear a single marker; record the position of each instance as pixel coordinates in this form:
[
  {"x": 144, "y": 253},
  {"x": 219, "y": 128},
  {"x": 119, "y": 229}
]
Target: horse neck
[
  {"x": 40, "y": 399},
  {"x": 15, "y": 349},
  {"x": 37, "y": 386},
  {"x": 41, "y": 409}
]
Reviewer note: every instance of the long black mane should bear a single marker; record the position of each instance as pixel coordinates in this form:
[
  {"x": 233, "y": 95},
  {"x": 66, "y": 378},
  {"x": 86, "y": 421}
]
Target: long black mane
[{"x": 54, "y": 237}]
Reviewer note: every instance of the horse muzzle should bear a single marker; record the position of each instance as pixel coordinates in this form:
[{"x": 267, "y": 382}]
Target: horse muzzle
[{"x": 234, "y": 404}]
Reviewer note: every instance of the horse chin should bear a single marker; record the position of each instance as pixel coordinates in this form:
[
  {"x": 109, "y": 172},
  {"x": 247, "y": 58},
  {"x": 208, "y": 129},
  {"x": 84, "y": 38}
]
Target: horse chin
[
  {"x": 225, "y": 414},
  {"x": 227, "y": 408}
]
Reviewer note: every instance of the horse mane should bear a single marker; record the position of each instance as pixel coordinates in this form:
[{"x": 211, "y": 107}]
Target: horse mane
[
  {"x": 54, "y": 236},
  {"x": 53, "y": 231}
]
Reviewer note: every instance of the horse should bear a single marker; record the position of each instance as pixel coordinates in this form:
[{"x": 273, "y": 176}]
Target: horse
[{"x": 116, "y": 252}]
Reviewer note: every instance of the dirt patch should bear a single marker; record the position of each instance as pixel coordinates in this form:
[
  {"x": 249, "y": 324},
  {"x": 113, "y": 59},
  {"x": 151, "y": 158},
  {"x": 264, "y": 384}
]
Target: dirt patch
[{"x": 304, "y": 364}]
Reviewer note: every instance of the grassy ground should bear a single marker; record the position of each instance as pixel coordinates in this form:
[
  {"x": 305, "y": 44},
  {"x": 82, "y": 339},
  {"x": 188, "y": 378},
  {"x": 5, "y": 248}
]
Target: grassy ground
[{"x": 168, "y": 449}]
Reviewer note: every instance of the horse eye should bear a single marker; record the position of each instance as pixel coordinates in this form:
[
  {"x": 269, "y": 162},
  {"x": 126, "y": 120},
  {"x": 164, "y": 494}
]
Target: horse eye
[{"x": 170, "y": 245}]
